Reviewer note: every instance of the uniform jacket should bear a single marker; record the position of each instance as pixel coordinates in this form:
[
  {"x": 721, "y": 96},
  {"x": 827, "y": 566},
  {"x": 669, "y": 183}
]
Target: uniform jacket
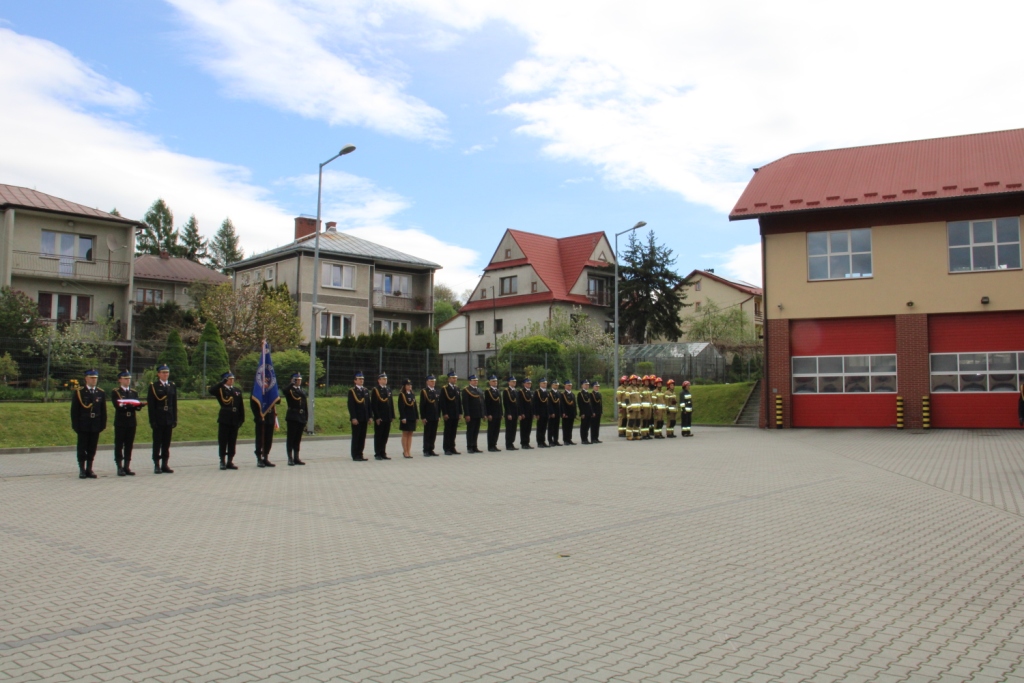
[
  {"x": 125, "y": 415},
  {"x": 407, "y": 407},
  {"x": 88, "y": 410},
  {"x": 257, "y": 410},
  {"x": 359, "y": 404},
  {"x": 596, "y": 404},
  {"x": 585, "y": 400},
  {"x": 163, "y": 404},
  {"x": 232, "y": 404},
  {"x": 526, "y": 402},
  {"x": 429, "y": 406},
  {"x": 686, "y": 401},
  {"x": 554, "y": 403},
  {"x": 541, "y": 402},
  {"x": 492, "y": 402},
  {"x": 382, "y": 405},
  {"x": 473, "y": 402},
  {"x": 510, "y": 402},
  {"x": 569, "y": 405},
  {"x": 451, "y": 401},
  {"x": 298, "y": 404}
]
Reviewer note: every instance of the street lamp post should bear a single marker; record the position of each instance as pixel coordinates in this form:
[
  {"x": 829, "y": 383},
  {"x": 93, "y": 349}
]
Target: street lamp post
[
  {"x": 616, "y": 331},
  {"x": 311, "y": 424}
]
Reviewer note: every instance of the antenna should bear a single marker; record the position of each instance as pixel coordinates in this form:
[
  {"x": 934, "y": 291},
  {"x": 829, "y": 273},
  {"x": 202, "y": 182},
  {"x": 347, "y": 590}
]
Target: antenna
[{"x": 112, "y": 244}]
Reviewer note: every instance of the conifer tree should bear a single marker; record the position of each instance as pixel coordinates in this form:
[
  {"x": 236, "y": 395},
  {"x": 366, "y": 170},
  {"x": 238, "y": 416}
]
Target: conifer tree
[
  {"x": 193, "y": 244},
  {"x": 159, "y": 233},
  {"x": 212, "y": 345},
  {"x": 225, "y": 248},
  {"x": 175, "y": 357}
]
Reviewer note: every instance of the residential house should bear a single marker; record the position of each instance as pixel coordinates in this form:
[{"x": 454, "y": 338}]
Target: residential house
[
  {"x": 704, "y": 285},
  {"x": 164, "y": 278},
  {"x": 363, "y": 286},
  {"x": 891, "y": 271},
  {"x": 75, "y": 261},
  {"x": 527, "y": 278}
]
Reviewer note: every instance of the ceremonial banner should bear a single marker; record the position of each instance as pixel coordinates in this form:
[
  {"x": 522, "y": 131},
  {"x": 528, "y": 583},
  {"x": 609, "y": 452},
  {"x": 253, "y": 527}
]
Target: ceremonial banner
[{"x": 264, "y": 388}]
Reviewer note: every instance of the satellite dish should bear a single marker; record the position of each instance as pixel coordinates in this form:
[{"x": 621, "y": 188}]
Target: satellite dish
[{"x": 112, "y": 244}]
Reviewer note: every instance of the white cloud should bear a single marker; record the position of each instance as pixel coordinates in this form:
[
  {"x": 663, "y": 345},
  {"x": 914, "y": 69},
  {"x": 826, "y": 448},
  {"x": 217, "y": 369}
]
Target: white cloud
[
  {"x": 475, "y": 149},
  {"x": 743, "y": 262}
]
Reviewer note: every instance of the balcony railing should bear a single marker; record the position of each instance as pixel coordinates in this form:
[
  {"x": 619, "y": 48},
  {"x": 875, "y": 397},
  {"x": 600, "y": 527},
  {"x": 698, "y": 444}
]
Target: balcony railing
[
  {"x": 37, "y": 264},
  {"x": 600, "y": 298},
  {"x": 413, "y": 304}
]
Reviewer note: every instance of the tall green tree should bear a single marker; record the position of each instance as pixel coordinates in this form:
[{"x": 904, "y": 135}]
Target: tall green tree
[
  {"x": 19, "y": 315},
  {"x": 175, "y": 357},
  {"x": 211, "y": 348},
  {"x": 724, "y": 327},
  {"x": 193, "y": 245},
  {"x": 225, "y": 247},
  {"x": 651, "y": 293},
  {"x": 159, "y": 233}
]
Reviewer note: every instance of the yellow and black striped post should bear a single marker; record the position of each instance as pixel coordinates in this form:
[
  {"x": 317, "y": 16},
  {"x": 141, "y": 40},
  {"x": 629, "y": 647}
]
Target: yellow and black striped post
[
  {"x": 778, "y": 412},
  {"x": 926, "y": 412},
  {"x": 899, "y": 412}
]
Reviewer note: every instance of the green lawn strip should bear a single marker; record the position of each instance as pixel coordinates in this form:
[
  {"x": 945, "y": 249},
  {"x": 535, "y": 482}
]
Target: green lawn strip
[{"x": 38, "y": 425}]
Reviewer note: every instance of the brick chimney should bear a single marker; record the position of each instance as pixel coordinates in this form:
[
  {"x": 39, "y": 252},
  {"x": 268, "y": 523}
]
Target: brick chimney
[
  {"x": 332, "y": 226},
  {"x": 304, "y": 226},
  {"x": 164, "y": 255}
]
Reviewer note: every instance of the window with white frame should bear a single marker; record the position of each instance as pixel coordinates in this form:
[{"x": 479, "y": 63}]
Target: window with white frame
[
  {"x": 479, "y": 327},
  {"x": 67, "y": 245},
  {"x": 335, "y": 325},
  {"x": 338, "y": 275},
  {"x": 149, "y": 297},
  {"x": 863, "y": 374},
  {"x": 390, "y": 326},
  {"x": 991, "y": 244},
  {"x": 65, "y": 307},
  {"x": 509, "y": 285},
  {"x": 839, "y": 254},
  {"x": 972, "y": 372},
  {"x": 270, "y": 273},
  {"x": 392, "y": 284}
]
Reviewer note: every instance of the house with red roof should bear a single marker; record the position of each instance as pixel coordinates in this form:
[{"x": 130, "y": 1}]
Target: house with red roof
[
  {"x": 527, "y": 278},
  {"x": 704, "y": 286},
  {"x": 162, "y": 278},
  {"x": 892, "y": 274}
]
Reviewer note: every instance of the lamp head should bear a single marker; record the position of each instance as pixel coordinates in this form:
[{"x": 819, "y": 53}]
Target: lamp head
[
  {"x": 639, "y": 225},
  {"x": 347, "y": 149}
]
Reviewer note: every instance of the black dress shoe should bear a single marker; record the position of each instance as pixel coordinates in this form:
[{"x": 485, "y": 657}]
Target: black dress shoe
[
  {"x": 156, "y": 468},
  {"x": 267, "y": 462},
  {"x": 511, "y": 448},
  {"x": 597, "y": 441},
  {"x": 526, "y": 447},
  {"x": 260, "y": 463},
  {"x": 223, "y": 465},
  {"x": 231, "y": 466},
  {"x": 120, "y": 471},
  {"x": 164, "y": 469},
  {"x": 82, "y": 474},
  {"x": 555, "y": 443},
  {"x": 381, "y": 457},
  {"x": 570, "y": 443},
  {"x": 360, "y": 459},
  {"x": 447, "y": 452},
  {"x": 456, "y": 453},
  {"x": 128, "y": 472},
  {"x": 298, "y": 462},
  {"x": 493, "y": 450},
  {"x": 542, "y": 445},
  {"x": 585, "y": 443}
]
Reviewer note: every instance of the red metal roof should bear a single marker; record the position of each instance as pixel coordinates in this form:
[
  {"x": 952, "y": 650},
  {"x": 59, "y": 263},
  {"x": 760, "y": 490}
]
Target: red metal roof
[
  {"x": 150, "y": 267},
  {"x": 740, "y": 286},
  {"x": 520, "y": 300},
  {"x": 920, "y": 170},
  {"x": 23, "y": 197}
]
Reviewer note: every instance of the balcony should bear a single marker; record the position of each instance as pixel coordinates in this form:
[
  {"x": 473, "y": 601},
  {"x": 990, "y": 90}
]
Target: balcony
[
  {"x": 37, "y": 264},
  {"x": 412, "y": 304},
  {"x": 600, "y": 298}
]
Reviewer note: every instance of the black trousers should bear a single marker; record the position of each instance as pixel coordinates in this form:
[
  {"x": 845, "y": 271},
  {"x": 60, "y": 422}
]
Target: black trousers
[
  {"x": 595, "y": 428},
  {"x": 451, "y": 427},
  {"x": 585, "y": 428},
  {"x": 542, "y": 429},
  {"x": 525, "y": 429},
  {"x": 227, "y": 436},
  {"x": 162, "y": 442},
  {"x": 295, "y": 429},
  {"x": 472, "y": 433},
  {"x": 124, "y": 441},
  {"x": 87, "y": 447},
  {"x": 381, "y": 432},
  {"x": 567, "y": 423},
  {"x": 1020, "y": 411},
  {"x": 553, "y": 423},
  {"x": 493, "y": 430},
  {"x": 264, "y": 437},
  {"x": 511, "y": 431},
  {"x": 358, "y": 439},
  {"x": 429, "y": 436}
]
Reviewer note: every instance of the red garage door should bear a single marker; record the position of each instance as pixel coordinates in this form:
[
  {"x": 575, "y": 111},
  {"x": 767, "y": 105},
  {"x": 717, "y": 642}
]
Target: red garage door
[
  {"x": 844, "y": 372},
  {"x": 976, "y": 368}
]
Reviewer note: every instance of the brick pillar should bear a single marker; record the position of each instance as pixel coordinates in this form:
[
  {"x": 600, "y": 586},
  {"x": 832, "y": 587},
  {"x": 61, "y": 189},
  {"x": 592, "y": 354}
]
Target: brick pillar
[
  {"x": 777, "y": 380},
  {"x": 912, "y": 372}
]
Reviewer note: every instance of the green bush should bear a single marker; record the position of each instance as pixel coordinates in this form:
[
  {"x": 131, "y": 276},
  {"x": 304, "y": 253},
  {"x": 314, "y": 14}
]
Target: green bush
[
  {"x": 176, "y": 358},
  {"x": 216, "y": 355}
]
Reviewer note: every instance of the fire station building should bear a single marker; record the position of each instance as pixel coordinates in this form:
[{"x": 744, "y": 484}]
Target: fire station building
[{"x": 893, "y": 271}]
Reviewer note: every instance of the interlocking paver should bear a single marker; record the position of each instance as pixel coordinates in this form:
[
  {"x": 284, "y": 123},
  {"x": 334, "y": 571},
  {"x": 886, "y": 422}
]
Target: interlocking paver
[{"x": 737, "y": 555}]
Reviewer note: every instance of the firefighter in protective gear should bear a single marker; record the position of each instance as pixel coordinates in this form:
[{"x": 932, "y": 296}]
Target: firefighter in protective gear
[
  {"x": 659, "y": 409},
  {"x": 647, "y": 408},
  {"x": 686, "y": 410},
  {"x": 671, "y": 408},
  {"x": 633, "y": 409},
  {"x": 620, "y": 404}
]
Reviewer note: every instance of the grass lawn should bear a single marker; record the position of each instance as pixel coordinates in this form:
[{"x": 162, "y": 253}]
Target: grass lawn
[{"x": 48, "y": 424}]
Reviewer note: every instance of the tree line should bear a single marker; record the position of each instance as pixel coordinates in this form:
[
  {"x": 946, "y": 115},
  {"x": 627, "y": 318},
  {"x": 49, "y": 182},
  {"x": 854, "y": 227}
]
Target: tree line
[{"x": 159, "y": 234}]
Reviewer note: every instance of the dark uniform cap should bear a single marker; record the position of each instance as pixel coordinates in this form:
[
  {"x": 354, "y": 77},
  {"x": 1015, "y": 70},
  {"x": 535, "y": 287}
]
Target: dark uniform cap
[
  {"x": 585, "y": 383},
  {"x": 453, "y": 375},
  {"x": 492, "y": 378},
  {"x": 297, "y": 375},
  {"x": 430, "y": 377},
  {"x": 359, "y": 375},
  {"x": 527, "y": 381},
  {"x": 382, "y": 375},
  {"x": 124, "y": 373},
  {"x": 470, "y": 378},
  {"x": 162, "y": 368},
  {"x": 92, "y": 373},
  {"x": 596, "y": 383},
  {"x": 543, "y": 380},
  {"x": 567, "y": 382},
  {"x": 406, "y": 382},
  {"x": 227, "y": 375},
  {"x": 511, "y": 378}
]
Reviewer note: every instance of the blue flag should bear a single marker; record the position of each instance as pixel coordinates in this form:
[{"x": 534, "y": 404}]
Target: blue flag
[{"x": 264, "y": 387}]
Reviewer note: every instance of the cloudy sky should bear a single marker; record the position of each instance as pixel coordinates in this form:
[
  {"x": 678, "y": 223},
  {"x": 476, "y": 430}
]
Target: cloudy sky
[{"x": 472, "y": 116}]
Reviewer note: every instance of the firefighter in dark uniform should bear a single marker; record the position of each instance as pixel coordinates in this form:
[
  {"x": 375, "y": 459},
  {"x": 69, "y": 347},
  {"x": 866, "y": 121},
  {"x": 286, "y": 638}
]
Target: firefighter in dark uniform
[
  {"x": 407, "y": 416},
  {"x": 473, "y": 412},
  {"x": 296, "y": 417},
  {"x": 510, "y": 408},
  {"x": 266, "y": 423},
  {"x": 568, "y": 414},
  {"x": 598, "y": 410},
  {"x": 230, "y": 418},
  {"x": 163, "y": 418},
  {"x": 586, "y": 408},
  {"x": 554, "y": 413},
  {"x": 525, "y": 414},
  {"x": 451, "y": 411},
  {"x": 430, "y": 414},
  {"x": 359, "y": 413},
  {"x": 88, "y": 419},
  {"x": 540, "y": 409},
  {"x": 492, "y": 413},
  {"x": 126, "y": 409},
  {"x": 685, "y": 410},
  {"x": 382, "y": 409}
]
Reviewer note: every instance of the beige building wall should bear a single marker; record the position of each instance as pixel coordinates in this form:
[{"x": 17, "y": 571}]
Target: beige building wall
[
  {"x": 526, "y": 276},
  {"x": 508, "y": 250},
  {"x": 909, "y": 264},
  {"x": 702, "y": 289},
  {"x": 177, "y": 292}
]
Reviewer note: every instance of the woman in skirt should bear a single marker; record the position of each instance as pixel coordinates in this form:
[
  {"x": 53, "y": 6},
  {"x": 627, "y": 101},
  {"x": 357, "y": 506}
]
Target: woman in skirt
[{"x": 407, "y": 414}]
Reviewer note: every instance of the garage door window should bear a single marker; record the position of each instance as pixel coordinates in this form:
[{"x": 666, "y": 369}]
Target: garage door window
[
  {"x": 974, "y": 372},
  {"x": 868, "y": 374}
]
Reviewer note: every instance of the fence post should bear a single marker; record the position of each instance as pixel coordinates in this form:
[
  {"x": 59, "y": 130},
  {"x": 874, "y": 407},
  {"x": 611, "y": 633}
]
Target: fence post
[
  {"x": 579, "y": 376},
  {"x": 46, "y": 380},
  {"x": 131, "y": 358},
  {"x": 545, "y": 363},
  {"x": 327, "y": 379},
  {"x": 380, "y": 360},
  {"x": 427, "y": 374},
  {"x": 205, "y": 346}
]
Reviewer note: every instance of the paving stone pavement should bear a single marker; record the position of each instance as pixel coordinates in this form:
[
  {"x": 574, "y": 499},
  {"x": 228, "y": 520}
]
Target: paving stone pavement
[{"x": 738, "y": 555}]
